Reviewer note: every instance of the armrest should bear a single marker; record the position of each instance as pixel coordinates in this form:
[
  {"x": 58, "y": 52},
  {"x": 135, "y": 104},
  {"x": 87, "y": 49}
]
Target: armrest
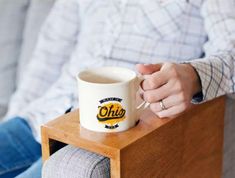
[{"x": 189, "y": 146}]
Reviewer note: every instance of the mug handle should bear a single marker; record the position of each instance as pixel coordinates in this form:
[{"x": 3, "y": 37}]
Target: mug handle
[{"x": 144, "y": 104}]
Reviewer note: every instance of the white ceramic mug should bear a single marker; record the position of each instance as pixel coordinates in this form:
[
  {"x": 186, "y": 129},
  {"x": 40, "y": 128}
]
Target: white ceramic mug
[{"x": 107, "y": 99}]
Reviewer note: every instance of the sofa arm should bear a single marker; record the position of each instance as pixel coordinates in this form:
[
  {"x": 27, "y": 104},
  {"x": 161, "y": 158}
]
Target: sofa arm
[{"x": 189, "y": 146}]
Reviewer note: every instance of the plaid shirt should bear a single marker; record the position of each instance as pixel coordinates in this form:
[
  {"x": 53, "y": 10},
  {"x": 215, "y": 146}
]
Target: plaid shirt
[{"x": 81, "y": 34}]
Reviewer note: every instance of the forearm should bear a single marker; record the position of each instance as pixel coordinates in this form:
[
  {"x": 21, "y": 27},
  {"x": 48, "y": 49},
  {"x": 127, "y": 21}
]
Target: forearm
[
  {"x": 61, "y": 96},
  {"x": 55, "y": 44},
  {"x": 36, "y": 81}
]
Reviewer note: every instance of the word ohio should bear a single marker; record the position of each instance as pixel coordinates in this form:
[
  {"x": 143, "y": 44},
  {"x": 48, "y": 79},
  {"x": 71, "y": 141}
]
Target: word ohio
[{"x": 111, "y": 112}]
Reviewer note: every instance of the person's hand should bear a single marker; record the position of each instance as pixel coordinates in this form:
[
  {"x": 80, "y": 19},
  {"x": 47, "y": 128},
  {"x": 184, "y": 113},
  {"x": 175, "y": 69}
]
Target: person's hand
[{"x": 169, "y": 87}]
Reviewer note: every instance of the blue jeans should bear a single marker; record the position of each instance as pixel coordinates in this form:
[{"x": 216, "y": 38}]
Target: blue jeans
[{"x": 20, "y": 154}]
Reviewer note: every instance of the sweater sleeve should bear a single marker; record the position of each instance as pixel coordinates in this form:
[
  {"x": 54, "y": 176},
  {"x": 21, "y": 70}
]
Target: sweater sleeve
[
  {"x": 56, "y": 42},
  {"x": 216, "y": 69}
]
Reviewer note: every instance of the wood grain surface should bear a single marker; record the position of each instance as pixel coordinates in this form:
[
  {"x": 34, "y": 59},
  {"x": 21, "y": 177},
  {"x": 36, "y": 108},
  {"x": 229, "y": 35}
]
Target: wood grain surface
[{"x": 189, "y": 146}]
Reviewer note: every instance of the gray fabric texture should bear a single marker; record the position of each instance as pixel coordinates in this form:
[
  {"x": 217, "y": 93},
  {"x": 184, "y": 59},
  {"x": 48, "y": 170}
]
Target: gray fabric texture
[
  {"x": 12, "y": 19},
  {"x": 71, "y": 162},
  {"x": 37, "y": 13}
]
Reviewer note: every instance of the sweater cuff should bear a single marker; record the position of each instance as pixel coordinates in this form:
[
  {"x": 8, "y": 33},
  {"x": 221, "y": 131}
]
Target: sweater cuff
[{"x": 210, "y": 79}]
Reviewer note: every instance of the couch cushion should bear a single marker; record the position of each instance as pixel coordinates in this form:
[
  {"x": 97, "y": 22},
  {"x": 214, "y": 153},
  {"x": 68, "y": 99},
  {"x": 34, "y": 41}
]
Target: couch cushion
[
  {"x": 12, "y": 18},
  {"x": 37, "y": 13},
  {"x": 72, "y": 162}
]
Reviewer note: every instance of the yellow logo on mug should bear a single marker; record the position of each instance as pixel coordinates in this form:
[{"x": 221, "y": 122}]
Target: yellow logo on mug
[{"x": 111, "y": 112}]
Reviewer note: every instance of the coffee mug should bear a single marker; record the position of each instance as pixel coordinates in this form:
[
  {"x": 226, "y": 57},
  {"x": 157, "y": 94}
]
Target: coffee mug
[{"x": 107, "y": 99}]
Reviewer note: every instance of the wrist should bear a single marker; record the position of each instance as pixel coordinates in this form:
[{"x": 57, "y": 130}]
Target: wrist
[{"x": 195, "y": 79}]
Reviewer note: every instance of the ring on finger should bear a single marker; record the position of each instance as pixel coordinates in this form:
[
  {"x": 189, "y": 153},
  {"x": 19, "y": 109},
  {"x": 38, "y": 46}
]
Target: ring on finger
[{"x": 163, "y": 107}]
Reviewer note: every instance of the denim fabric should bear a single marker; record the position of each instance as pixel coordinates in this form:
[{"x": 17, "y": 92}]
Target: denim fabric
[
  {"x": 33, "y": 171},
  {"x": 18, "y": 149}
]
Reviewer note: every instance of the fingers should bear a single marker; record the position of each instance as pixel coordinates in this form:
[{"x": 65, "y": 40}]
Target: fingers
[
  {"x": 154, "y": 81},
  {"x": 172, "y": 83},
  {"x": 168, "y": 102},
  {"x": 173, "y": 110},
  {"x": 158, "y": 94},
  {"x": 148, "y": 69},
  {"x": 141, "y": 93},
  {"x": 153, "y": 77},
  {"x": 170, "y": 112}
]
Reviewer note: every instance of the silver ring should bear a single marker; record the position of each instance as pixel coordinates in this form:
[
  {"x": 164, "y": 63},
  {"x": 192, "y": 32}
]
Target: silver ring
[{"x": 162, "y": 105}]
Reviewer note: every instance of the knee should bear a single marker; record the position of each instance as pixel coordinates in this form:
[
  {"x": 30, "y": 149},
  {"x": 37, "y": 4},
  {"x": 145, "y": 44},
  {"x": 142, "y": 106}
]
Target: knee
[{"x": 71, "y": 162}]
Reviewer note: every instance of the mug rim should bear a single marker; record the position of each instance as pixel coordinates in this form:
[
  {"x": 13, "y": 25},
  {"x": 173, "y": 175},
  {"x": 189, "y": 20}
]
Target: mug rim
[{"x": 133, "y": 75}]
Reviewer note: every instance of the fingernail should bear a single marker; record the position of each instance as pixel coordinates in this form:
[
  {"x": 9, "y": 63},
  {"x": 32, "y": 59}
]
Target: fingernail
[{"x": 159, "y": 115}]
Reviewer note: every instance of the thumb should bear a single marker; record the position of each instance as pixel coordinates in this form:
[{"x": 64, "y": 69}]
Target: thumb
[{"x": 146, "y": 69}]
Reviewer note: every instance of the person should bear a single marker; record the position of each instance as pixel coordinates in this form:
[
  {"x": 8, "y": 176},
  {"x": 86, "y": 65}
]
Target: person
[{"x": 185, "y": 50}]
